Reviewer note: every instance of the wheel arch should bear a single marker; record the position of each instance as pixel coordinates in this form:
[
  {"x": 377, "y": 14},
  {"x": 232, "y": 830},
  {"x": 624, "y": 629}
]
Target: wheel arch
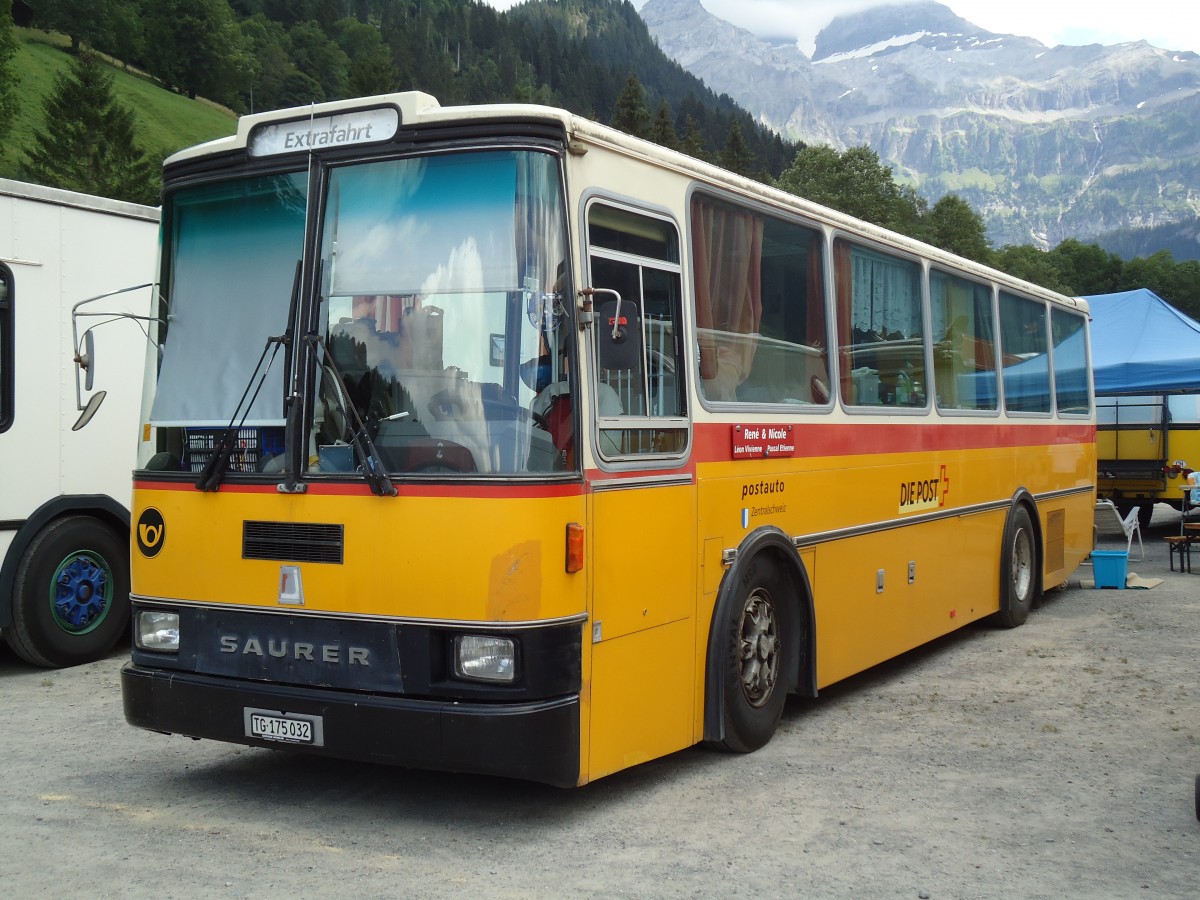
[
  {"x": 803, "y": 679},
  {"x": 98, "y": 506}
]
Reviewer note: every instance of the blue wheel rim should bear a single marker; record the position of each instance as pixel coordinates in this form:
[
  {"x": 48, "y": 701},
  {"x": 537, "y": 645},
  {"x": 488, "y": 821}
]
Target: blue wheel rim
[{"x": 81, "y": 594}]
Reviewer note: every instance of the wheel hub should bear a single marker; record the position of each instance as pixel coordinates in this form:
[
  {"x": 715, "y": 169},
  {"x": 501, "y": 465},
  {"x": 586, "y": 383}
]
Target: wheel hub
[
  {"x": 1022, "y": 564},
  {"x": 82, "y": 589},
  {"x": 759, "y": 649}
]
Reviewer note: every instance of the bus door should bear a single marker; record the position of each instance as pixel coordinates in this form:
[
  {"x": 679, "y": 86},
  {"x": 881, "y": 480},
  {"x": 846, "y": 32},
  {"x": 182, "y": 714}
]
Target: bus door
[{"x": 643, "y": 498}]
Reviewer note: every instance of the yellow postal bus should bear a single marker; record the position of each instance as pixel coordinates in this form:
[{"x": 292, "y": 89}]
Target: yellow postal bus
[{"x": 490, "y": 439}]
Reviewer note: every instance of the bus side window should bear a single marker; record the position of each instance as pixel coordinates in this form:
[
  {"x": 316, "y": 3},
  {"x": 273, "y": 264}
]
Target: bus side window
[
  {"x": 881, "y": 336},
  {"x": 1024, "y": 344},
  {"x": 760, "y": 306},
  {"x": 1070, "y": 362},
  {"x": 964, "y": 348},
  {"x": 637, "y": 338}
]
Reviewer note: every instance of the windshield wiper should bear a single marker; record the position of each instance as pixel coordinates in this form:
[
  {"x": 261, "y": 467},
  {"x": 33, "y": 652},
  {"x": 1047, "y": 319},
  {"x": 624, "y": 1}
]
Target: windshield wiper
[
  {"x": 374, "y": 473},
  {"x": 292, "y": 438},
  {"x": 218, "y": 464}
]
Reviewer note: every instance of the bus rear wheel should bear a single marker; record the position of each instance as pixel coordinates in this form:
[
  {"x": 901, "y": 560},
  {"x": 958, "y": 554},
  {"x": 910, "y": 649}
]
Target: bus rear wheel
[
  {"x": 70, "y": 594},
  {"x": 757, "y": 662},
  {"x": 1018, "y": 570}
]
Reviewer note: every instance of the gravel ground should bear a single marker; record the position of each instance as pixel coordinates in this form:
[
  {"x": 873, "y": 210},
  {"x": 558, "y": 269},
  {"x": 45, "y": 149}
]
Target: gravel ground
[{"x": 1054, "y": 760}]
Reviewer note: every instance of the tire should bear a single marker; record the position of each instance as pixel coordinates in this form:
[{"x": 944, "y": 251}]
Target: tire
[
  {"x": 757, "y": 662},
  {"x": 1018, "y": 571},
  {"x": 70, "y": 594},
  {"x": 1198, "y": 796}
]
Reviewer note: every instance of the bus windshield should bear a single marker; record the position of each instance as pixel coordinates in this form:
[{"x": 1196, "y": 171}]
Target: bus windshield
[
  {"x": 439, "y": 306},
  {"x": 442, "y": 303}
]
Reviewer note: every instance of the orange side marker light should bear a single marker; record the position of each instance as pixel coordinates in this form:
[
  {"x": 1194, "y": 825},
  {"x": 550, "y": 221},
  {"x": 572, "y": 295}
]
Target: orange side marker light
[{"x": 574, "y": 547}]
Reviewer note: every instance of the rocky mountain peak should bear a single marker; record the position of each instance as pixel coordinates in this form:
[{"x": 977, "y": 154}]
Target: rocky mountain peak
[{"x": 895, "y": 25}]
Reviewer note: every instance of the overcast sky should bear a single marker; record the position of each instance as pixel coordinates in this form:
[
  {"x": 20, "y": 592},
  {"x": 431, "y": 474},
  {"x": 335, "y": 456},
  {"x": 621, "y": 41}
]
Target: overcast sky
[{"x": 1170, "y": 24}]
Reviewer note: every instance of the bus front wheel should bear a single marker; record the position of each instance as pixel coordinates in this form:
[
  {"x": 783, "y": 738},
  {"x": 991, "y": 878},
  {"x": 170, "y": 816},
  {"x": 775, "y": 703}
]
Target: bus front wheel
[
  {"x": 757, "y": 660},
  {"x": 70, "y": 594},
  {"x": 1018, "y": 570}
]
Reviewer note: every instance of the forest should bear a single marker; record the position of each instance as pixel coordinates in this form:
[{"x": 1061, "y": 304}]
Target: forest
[{"x": 593, "y": 57}]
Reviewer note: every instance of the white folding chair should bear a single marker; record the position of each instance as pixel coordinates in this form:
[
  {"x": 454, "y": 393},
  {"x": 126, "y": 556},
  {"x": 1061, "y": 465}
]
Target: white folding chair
[{"x": 1108, "y": 521}]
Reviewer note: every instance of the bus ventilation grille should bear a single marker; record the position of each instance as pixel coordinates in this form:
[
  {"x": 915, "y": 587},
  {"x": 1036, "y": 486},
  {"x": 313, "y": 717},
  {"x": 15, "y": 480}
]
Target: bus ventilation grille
[{"x": 293, "y": 542}]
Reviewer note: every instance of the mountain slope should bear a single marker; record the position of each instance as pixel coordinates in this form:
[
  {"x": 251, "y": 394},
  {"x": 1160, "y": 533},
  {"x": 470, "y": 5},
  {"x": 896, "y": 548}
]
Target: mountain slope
[
  {"x": 1046, "y": 143},
  {"x": 166, "y": 122}
]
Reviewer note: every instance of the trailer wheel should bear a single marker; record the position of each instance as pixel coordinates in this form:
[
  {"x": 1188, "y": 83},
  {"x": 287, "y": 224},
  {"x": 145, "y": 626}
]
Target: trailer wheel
[
  {"x": 70, "y": 594},
  {"x": 1018, "y": 570},
  {"x": 1145, "y": 513},
  {"x": 758, "y": 657}
]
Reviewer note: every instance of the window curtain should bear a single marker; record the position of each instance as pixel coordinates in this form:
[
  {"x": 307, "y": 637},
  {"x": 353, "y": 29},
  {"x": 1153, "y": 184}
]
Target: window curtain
[
  {"x": 886, "y": 299},
  {"x": 233, "y": 251},
  {"x": 541, "y": 255},
  {"x": 815, "y": 316},
  {"x": 727, "y": 252},
  {"x": 540, "y": 250}
]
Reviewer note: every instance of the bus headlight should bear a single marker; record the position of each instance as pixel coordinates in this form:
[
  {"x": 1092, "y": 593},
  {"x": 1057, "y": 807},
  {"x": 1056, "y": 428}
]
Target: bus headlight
[
  {"x": 157, "y": 629},
  {"x": 479, "y": 657}
]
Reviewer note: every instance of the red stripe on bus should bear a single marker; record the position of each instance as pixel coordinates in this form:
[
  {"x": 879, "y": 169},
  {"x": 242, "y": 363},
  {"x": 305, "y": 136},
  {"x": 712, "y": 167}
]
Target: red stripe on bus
[
  {"x": 467, "y": 489},
  {"x": 714, "y": 442}
]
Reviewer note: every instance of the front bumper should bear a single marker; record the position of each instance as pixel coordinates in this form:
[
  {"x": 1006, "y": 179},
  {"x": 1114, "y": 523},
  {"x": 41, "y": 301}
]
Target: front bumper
[{"x": 534, "y": 740}]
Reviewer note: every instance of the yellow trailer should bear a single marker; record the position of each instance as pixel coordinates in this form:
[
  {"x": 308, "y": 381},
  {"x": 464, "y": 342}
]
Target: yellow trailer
[{"x": 1146, "y": 446}]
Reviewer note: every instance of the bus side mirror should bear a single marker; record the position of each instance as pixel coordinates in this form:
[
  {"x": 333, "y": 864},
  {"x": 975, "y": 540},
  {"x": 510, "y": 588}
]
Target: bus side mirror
[
  {"x": 93, "y": 404},
  {"x": 85, "y": 349},
  {"x": 84, "y": 359}
]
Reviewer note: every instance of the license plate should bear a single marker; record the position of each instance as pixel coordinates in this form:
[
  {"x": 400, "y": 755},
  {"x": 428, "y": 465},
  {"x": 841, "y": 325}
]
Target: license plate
[{"x": 284, "y": 728}]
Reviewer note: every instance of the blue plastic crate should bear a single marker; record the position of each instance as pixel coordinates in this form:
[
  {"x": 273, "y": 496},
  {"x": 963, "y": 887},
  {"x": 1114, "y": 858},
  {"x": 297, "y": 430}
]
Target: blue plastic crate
[{"x": 1110, "y": 567}]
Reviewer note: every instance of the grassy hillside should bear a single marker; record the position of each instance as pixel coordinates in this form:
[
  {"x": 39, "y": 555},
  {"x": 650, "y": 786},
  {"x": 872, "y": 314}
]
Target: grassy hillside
[{"x": 166, "y": 122}]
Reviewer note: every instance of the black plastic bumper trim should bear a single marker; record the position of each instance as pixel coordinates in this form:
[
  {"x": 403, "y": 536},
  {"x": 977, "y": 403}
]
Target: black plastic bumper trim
[{"x": 536, "y": 741}]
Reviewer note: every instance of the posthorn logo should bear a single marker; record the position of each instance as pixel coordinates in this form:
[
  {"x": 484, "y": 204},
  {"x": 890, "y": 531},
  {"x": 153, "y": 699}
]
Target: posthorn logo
[{"x": 151, "y": 532}]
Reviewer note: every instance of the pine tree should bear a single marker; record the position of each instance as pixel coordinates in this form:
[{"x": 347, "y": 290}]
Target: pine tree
[
  {"x": 662, "y": 132},
  {"x": 88, "y": 144},
  {"x": 692, "y": 142},
  {"x": 630, "y": 113},
  {"x": 8, "y": 71},
  {"x": 736, "y": 157}
]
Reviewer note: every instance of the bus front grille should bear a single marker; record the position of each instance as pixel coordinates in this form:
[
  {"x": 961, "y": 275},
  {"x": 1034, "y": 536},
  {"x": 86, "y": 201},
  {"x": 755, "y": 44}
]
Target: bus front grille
[{"x": 293, "y": 542}]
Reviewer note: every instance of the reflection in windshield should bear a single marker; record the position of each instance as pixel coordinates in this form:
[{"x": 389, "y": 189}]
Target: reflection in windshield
[{"x": 443, "y": 303}]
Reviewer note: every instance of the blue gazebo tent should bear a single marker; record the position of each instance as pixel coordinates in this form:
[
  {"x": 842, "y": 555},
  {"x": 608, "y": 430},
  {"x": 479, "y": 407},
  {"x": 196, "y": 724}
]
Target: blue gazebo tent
[{"x": 1143, "y": 345}]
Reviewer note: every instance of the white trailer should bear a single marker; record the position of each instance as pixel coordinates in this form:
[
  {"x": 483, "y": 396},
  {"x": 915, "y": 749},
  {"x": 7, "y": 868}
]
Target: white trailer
[{"x": 65, "y": 488}]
